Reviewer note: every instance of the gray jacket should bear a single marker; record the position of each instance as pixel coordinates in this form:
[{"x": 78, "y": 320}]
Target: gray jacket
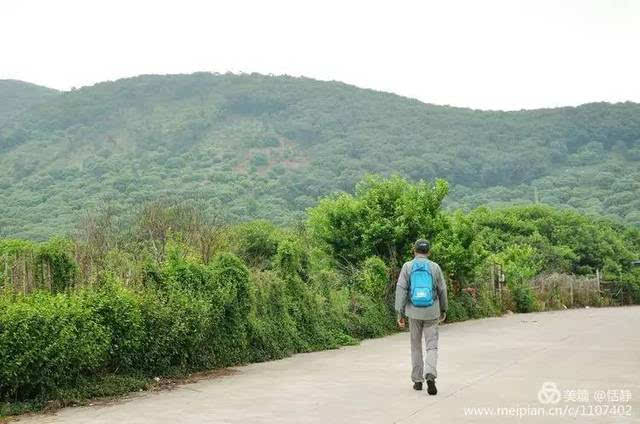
[{"x": 403, "y": 303}]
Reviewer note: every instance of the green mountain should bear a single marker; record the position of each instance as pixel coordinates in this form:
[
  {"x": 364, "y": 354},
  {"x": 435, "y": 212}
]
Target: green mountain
[
  {"x": 16, "y": 96},
  {"x": 255, "y": 146}
]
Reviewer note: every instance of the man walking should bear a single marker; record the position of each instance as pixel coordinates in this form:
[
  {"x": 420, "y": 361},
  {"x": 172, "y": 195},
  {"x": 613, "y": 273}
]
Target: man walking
[{"x": 421, "y": 295}]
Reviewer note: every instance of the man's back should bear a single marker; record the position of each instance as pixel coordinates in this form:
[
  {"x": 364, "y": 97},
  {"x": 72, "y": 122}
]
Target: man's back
[{"x": 403, "y": 302}]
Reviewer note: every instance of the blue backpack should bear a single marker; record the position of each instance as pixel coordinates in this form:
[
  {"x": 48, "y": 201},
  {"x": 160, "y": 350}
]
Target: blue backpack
[{"x": 421, "y": 284}]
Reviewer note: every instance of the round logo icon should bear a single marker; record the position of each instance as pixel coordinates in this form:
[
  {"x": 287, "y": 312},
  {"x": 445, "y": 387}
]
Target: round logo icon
[{"x": 549, "y": 393}]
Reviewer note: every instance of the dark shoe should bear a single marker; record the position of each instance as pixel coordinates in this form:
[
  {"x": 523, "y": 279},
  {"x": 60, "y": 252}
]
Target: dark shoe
[
  {"x": 431, "y": 386},
  {"x": 417, "y": 385}
]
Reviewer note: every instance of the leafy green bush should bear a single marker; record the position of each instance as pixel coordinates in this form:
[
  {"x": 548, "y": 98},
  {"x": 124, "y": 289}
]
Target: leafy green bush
[
  {"x": 373, "y": 279},
  {"x": 175, "y": 327},
  {"x": 198, "y": 320},
  {"x": 523, "y": 297},
  {"x": 464, "y": 305},
  {"x": 188, "y": 316},
  {"x": 627, "y": 289},
  {"x": 369, "y": 317},
  {"x": 272, "y": 330},
  {"x": 117, "y": 310},
  {"x": 228, "y": 335},
  {"x": 456, "y": 310},
  {"x": 256, "y": 242},
  {"x": 47, "y": 341}
]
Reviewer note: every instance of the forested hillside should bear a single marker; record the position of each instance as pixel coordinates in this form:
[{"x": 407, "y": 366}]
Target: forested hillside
[
  {"x": 254, "y": 146},
  {"x": 16, "y": 96}
]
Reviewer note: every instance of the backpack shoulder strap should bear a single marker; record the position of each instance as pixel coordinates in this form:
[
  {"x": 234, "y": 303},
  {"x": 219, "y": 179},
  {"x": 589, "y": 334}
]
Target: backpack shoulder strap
[{"x": 433, "y": 279}]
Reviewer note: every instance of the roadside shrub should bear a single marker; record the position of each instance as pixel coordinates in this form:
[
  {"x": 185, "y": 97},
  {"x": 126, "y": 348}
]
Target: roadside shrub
[
  {"x": 56, "y": 254},
  {"x": 468, "y": 303},
  {"x": 456, "y": 310},
  {"x": 486, "y": 304},
  {"x": 175, "y": 327},
  {"x": 256, "y": 242},
  {"x": 463, "y": 306},
  {"x": 12, "y": 252},
  {"x": 271, "y": 329},
  {"x": 339, "y": 316},
  {"x": 118, "y": 311},
  {"x": 289, "y": 264},
  {"x": 47, "y": 341},
  {"x": 291, "y": 259},
  {"x": 523, "y": 298},
  {"x": 228, "y": 335},
  {"x": 373, "y": 278},
  {"x": 28, "y": 266},
  {"x": 370, "y": 313},
  {"x": 198, "y": 319},
  {"x": 369, "y": 317},
  {"x": 627, "y": 288}
]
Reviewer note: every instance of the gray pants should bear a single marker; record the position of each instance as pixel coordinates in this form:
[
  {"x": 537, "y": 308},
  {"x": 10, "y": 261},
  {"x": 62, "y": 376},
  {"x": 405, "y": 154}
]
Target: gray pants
[{"x": 420, "y": 368}]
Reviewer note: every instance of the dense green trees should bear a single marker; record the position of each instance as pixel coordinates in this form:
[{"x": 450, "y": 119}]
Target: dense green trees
[
  {"x": 268, "y": 147},
  {"x": 386, "y": 216},
  {"x": 383, "y": 219}
]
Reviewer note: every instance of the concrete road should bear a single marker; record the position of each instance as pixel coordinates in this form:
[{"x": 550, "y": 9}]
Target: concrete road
[{"x": 588, "y": 358}]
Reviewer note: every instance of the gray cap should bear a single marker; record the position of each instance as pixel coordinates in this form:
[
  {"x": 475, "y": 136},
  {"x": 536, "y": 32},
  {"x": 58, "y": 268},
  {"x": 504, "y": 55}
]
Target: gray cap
[{"x": 422, "y": 246}]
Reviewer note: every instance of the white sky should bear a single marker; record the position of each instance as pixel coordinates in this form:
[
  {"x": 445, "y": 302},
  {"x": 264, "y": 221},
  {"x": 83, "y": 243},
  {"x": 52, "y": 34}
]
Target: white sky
[{"x": 484, "y": 54}]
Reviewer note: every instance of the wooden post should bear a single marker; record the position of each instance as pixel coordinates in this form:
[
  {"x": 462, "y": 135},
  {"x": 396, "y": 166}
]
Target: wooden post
[
  {"x": 24, "y": 277},
  {"x": 493, "y": 279},
  {"x": 12, "y": 279},
  {"x": 598, "y": 279},
  {"x": 26, "y": 271},
  {"x": 6, "y": 269},
  {"x": 32, "y": 265},
  {"x": 571, "y": 288},
  {"x": 500, "y": 281}
]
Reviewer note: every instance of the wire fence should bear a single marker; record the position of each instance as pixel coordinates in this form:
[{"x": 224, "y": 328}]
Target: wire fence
[{"x": 557, "y": 290}]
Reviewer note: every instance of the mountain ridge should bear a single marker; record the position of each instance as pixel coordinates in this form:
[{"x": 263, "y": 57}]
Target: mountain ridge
[
  {"x": 406, "y": 97},
  {"x": 267, "y": 147},
  {"x": 17, "y": 96}
]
